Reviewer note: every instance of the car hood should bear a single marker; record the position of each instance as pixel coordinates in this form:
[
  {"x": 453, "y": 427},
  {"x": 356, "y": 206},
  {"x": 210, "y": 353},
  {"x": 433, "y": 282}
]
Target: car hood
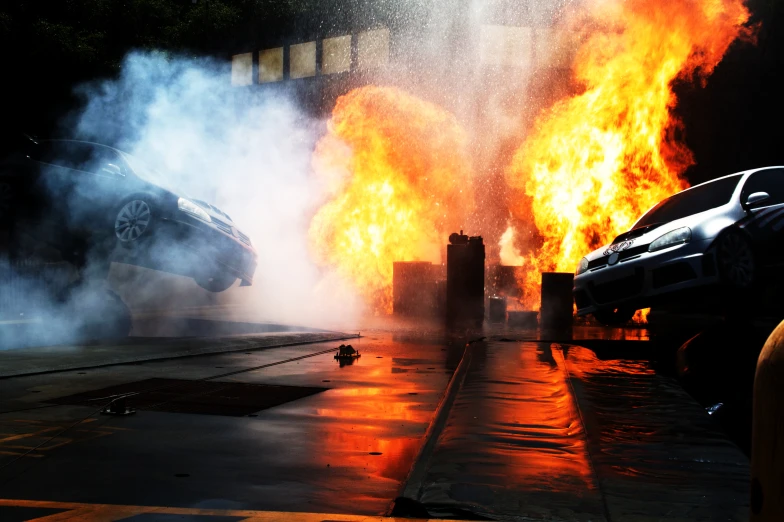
[
  {"x": 648, "y": 234},
  {"x": 213, "y": 211}
]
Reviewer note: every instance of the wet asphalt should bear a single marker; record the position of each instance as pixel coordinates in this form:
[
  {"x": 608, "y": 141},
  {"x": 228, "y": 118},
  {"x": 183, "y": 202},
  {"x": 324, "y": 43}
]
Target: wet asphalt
[
  {"x": 346, "y": 449},
  {"x": 535, "y": 430}
]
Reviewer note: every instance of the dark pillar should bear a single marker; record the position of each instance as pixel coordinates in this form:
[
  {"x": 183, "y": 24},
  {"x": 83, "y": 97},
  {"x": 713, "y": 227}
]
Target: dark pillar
[
  {"x": 465, "y": 281},
  {"x": 557, "y": 299}
]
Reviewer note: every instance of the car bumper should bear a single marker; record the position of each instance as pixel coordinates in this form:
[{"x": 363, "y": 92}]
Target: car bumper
[
  {"x": 193, "y": 248},
  {"x": 642, "y": 281}
]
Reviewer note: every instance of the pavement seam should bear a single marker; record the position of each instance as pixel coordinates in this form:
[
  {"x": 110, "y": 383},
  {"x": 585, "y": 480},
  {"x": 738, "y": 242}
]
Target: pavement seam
[
  {"x": 414, "y": 482},
  {"x": 179, "y": 355},
  {"x": 590, "y": 458}
]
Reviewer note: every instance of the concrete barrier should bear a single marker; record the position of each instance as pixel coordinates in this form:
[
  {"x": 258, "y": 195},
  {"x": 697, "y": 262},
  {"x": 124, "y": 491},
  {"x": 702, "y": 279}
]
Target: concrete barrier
[{"x": 767, "y": 443}]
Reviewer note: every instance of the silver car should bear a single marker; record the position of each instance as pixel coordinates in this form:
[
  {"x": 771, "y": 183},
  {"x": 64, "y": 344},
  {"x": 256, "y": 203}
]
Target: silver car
[{"x": 723, "y": 232}]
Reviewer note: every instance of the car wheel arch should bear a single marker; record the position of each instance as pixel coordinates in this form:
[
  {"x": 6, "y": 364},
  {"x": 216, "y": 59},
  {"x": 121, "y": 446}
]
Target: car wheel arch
[
  {"x": 748, "y": 239},
  {"x": 732, "y": 229}
]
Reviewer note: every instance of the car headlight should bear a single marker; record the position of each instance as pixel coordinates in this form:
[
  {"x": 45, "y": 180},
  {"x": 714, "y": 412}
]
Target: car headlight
[
  {"x": 189, "y": 207},
  {"x": 582, "y": 267},
  {"x": 676, "y": 237}
]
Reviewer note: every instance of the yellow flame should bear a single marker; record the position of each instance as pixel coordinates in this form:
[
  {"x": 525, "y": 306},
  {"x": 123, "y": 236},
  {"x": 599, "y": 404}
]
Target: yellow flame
[
  {"x": 510, "y": 255},
  {"x": 399, "y": 180},
  {"x": 596, "y": 161}
]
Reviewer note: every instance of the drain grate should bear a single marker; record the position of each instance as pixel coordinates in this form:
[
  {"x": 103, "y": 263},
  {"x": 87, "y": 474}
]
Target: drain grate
[{"x": 193, "y": 396}]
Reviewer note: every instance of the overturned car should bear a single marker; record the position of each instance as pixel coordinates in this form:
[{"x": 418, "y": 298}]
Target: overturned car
[
  {"x": 93, "y": 202},
  {"x": 721, "y": 234}
]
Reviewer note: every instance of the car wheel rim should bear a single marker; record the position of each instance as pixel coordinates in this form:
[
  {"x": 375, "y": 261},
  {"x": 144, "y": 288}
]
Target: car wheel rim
[
  {"x": 132, "y": 220},
  {"x": 738, "y": 261}
]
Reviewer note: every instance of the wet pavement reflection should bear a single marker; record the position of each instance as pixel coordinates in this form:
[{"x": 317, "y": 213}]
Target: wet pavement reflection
[
  {"x": 514, "y": 442},
  {"x": 345, "y": 450},
  {"x": 550, "y": 431},
  {"x": 538, "y": 429},
  {"x": 655, "y": 450}
]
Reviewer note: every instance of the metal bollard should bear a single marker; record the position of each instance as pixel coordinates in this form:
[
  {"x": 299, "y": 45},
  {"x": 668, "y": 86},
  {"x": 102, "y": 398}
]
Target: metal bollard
[
  {"x": 496, "y": 309},
  {"x": 557, "y": 300},
  {"x": 767, "y": 439}
]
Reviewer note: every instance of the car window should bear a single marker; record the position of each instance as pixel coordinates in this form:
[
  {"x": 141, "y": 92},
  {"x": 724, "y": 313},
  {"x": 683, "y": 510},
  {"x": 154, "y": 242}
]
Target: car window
[
  {"x": 76, "y": 155},
  {"x": 768, "y": 180},
  {"x": 693, "y": 201},
  {"x": 147, "y": 173}
]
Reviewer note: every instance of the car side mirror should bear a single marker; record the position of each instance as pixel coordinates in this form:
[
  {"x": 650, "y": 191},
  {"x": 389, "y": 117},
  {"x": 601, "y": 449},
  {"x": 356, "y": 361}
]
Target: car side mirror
[
  {"x": 756, "y": 197},
  {"x": 112, "y": 170}
]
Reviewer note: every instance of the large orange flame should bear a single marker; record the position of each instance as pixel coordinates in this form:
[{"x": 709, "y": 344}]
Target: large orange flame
[
  {"x": 596, "y": 161},
  {"x": 398, "y": 173}
]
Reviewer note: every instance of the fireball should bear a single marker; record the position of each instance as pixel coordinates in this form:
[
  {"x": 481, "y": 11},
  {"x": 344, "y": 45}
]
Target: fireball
[
  {"x": 597, "y": 160},
  {"x": 399, "y": 180}
]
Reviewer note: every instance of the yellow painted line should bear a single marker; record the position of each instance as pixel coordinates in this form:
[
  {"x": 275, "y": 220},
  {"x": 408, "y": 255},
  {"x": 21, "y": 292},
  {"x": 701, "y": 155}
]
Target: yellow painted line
[
  {"x": 77, "y": 511},
  {"x": 27, "y": 441},
  {"x": 26, "y": 435}
]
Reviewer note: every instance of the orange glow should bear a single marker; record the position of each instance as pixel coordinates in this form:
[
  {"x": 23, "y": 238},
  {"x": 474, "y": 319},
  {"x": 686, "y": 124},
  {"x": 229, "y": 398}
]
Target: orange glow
[
  {"x": 399, "y": 181},
  {"x": 509, "y": 255},
  {"x": 596, "y": 161},
  {"x": 641, "y": 316}
]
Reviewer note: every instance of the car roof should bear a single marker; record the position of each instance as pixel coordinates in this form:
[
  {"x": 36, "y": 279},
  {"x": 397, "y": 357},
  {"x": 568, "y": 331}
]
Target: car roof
[
  {"x": 61, "y": 140},
  {"x": 742, "y": 173}
]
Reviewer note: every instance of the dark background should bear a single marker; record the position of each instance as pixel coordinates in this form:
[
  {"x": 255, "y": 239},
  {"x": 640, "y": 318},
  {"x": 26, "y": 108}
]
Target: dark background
[{"x": 48, "y": 46}]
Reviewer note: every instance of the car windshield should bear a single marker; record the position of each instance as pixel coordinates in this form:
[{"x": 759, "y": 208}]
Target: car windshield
[
  {"x": 692, "y": 201},
  {"x": 146, "y": 172}
]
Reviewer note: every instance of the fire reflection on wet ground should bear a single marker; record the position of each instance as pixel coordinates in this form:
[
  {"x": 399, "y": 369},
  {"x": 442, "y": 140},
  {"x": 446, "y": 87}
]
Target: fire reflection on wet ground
[
  {"x": 537, "y": 429},
  {"x": 514, "y": 442},
  {"x": 551, "y": 431},
  {"x": 353, "y": 445}
]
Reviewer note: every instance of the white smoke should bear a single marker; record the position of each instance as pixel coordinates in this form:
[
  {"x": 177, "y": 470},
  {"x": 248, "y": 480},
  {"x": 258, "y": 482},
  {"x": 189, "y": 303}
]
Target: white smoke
[{"x": 244, "y": 150}]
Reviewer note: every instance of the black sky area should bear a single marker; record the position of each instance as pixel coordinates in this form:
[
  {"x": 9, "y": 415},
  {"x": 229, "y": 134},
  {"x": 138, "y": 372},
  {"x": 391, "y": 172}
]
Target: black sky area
[
  {"x": 47, "y": 47},
  {"x": 736, "y": 122}
]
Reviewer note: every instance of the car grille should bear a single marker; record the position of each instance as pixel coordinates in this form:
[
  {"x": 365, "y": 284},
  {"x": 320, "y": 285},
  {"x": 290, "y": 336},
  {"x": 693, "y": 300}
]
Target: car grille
[
  {"x": 623, "y": 255},
  {"x": 618, "y": 289},
  {"x": 223, "y": 226},
  {"x": 672, "y": 274}
]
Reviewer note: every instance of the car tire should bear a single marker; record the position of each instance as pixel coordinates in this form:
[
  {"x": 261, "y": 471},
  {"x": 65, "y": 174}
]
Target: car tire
[
  {"x": 216, "y": 283},
  {"x": 735, "y": 261},
  {"x": 133, "y": 220},
  {"x": 614, "y": 316}
]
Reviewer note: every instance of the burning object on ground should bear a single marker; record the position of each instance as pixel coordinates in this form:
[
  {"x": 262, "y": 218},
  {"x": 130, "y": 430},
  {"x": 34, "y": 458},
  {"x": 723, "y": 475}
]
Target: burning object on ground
[
  {"x": 346, "y": 351},
  {"x": 465, "y": 280}
]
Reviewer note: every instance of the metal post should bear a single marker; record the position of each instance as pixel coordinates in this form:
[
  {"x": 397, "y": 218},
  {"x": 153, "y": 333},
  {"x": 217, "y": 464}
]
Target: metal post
[{"x": 557, "y": 301}]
